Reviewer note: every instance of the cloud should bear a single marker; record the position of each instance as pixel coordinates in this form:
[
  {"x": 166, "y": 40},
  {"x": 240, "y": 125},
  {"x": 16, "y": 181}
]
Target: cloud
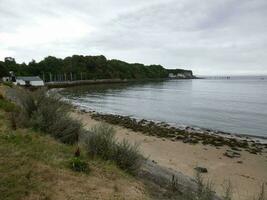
[{"x": 211, "y": 37}]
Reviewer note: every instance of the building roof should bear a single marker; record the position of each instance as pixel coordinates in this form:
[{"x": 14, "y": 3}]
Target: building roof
[{"x": 29, "y": 78}]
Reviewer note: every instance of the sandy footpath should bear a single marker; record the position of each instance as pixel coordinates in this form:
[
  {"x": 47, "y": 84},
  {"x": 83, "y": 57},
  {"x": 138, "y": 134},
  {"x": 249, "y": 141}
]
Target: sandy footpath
[{"x": 246, "y": 177}]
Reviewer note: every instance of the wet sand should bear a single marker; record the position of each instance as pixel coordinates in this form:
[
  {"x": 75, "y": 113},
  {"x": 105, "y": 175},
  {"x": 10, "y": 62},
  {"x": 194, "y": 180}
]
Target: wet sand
[{"x": 246, "y": 177}]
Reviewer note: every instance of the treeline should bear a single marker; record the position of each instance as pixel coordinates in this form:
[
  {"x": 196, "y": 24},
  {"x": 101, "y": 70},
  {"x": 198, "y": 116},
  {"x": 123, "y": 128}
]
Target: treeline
[{"x": 78, "y": 67}]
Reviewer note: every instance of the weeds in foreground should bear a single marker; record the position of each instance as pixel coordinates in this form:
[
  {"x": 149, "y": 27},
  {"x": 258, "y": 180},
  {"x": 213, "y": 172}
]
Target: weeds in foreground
[
  {"x": 201, "y": 190},
  {"x": 79, "y": 165},
  {"x": 204, "y": 190},
  {"x": 100, "y": 141},
  {"x": 262, "y": 195},
  {"x": 228, "y": 191}
]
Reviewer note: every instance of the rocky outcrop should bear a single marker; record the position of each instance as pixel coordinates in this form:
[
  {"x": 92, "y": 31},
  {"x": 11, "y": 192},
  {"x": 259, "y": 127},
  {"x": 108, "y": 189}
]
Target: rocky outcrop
[{"x": 180, "y": 74}]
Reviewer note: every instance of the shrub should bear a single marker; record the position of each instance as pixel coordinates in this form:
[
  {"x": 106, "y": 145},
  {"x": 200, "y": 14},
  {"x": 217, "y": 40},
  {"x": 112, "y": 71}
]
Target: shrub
[
  {"x": 52, "y": 117},
  {"x": 48, "y": 114},
  {"x": 29, "y": 101},
  {"x": 100, "y": 141},
  {"x": 128, "y": 157},
  {"x": 78, "y": 165},
  {"x": 6, "y": 105}
]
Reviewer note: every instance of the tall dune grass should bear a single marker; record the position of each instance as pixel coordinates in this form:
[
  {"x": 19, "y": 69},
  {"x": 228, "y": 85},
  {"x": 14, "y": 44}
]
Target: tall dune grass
[{"x": 100, "y": 141}]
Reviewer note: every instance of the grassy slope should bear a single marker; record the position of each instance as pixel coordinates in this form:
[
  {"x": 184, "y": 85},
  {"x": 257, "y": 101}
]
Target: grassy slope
[{"x": 34, "y": 166}]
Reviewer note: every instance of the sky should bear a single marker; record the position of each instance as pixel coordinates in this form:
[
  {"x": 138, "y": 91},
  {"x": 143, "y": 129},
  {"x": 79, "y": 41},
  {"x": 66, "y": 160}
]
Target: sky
[{"x": 211, "y": 37}]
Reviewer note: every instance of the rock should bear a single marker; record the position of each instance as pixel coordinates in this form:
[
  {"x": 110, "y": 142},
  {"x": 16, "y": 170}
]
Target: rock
[
  {"x": 190, "y": 140},
  {"x": 180, "y": 137},
  {"x": 83, "y": 110},
  {"x": 235, "y": 149},
  {"x": 201, "y": 169},
  {"x": 154, "y": 161},
  {"x": 253, "y": 151},
  {"x": 232, "y": 154}
]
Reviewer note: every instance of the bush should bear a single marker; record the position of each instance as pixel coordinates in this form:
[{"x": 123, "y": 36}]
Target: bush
[
  {"x": 100, "y": 141},
  {"x": 29, "y": 101},
  {"x": 79, "y": 165},
  {"x": 128, "y": 157},
  {"x": 6, "y": 105},
  {"x": 52, "y": 117},
  {"x": 48, "y": 114}
]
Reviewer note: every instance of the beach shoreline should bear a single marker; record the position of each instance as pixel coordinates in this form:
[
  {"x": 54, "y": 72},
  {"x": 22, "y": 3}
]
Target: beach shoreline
[
  {"x": 258, "y": 142},
  {"x": 246, "y": 170}
]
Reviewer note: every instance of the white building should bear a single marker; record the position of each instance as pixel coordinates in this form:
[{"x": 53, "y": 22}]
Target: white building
[
  {"x": 6, "y": 79},
  {"x": 29, "y": 81}
]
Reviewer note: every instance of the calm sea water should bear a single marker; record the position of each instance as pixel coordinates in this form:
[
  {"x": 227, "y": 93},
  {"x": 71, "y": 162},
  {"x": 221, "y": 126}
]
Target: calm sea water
[{"x": 238, "y": 105}]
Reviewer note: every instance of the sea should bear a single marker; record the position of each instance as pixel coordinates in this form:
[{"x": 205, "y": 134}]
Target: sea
[{"x": 235, "y": 105}]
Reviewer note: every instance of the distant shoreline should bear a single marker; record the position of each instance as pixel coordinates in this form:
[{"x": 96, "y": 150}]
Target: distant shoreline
[{"x": 65, "y": 84}]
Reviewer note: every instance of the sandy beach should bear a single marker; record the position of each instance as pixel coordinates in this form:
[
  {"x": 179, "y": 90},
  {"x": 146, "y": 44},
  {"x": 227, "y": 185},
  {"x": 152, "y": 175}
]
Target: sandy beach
[{"x": 246, "y": 173}]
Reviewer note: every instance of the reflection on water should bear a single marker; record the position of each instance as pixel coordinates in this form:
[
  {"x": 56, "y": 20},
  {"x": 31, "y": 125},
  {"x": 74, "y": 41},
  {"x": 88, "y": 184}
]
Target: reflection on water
[{"x": 237, "y": 106}]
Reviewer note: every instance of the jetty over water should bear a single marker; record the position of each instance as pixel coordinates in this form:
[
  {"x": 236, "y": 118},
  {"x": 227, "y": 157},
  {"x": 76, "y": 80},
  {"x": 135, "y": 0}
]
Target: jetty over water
[{"x": 218, "y": 77}]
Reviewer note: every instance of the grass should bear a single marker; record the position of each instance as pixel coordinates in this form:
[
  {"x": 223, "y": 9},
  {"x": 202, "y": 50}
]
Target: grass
[
  {"x": 100, "y": 141},
  {"x": 35, "y": 166},
  {"x": 20, "y": 154},
  {"x": 6, "y": 105},
  {"x": 8, "y": 84},
  {"x": 46, "y": 113},
  {"x": 79, "y": 165}
]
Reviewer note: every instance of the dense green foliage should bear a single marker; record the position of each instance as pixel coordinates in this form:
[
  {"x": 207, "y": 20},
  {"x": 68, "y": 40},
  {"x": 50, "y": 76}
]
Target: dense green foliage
[
  {"x": 83, "y": 68},
  {"x": 3, "y": 69}
]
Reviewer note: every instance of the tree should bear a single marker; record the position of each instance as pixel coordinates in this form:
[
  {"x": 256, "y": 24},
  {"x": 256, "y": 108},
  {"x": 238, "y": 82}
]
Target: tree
[{"x": 3, "y": 70}]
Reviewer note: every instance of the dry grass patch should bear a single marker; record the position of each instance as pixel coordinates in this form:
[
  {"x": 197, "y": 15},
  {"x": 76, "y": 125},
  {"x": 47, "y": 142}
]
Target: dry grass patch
[{"x": 35, "y": 166}]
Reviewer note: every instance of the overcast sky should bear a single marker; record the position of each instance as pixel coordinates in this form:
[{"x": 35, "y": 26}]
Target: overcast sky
[{"x": 207, "y": 36}]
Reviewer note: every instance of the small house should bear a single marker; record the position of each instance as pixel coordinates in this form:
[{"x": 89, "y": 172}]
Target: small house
[
  {"x": 6, "y": 79},
  {"x": 29, "y": 81}
]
